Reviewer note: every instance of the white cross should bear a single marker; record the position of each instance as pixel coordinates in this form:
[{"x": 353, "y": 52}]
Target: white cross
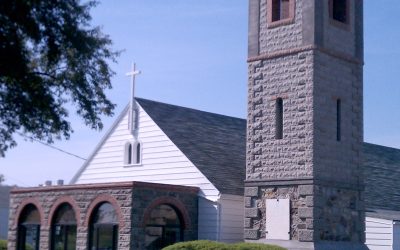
[
  {"x": 133, "y": 74},
  {"x": 133, "y": 110}
]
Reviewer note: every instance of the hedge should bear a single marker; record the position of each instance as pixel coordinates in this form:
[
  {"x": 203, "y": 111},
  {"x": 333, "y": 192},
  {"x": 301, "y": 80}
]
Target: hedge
[
  {"x": 212, "y": 245},
  {"x": 3, "y": 245}
]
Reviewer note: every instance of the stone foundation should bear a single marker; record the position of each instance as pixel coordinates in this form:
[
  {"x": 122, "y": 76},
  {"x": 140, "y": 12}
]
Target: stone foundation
[{"x": 317, "y": 213}]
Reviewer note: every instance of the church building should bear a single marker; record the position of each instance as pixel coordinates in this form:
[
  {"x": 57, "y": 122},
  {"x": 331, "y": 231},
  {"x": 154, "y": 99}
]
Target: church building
[{"x": 295, "y": 173}]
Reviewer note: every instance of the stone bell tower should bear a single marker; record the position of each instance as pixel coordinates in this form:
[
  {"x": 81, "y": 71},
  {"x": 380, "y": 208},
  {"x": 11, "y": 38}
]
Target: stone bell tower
[{"x": 304, "y": 184}]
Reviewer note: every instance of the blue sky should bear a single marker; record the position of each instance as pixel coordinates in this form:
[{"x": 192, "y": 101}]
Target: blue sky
[{"x": 193, "y": 53}]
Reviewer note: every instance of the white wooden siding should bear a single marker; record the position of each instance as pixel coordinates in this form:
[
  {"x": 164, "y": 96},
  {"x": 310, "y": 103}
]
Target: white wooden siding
[
  {"x": 378, "y": 233},
  {"x": 162, "y": 161},
  {"x": 208, "y": 219},
  {"x": 232, "y": 218}
]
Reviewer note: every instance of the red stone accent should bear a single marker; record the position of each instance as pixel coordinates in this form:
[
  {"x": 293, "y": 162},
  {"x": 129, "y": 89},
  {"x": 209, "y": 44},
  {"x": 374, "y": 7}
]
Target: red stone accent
[
  {"x": 100, "y": 199},
  {"x": 179, "y": 206},
  {"x": 60, "y": 201},
  {"x": 24, "y": 203},
  {"x": 273, "y": 24},
  {"x": 288, "y": 52}
]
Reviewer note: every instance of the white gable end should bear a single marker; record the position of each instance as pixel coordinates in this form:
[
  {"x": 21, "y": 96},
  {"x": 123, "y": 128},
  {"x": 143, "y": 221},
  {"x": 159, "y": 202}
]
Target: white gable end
[{"x": 162, "y": 161}]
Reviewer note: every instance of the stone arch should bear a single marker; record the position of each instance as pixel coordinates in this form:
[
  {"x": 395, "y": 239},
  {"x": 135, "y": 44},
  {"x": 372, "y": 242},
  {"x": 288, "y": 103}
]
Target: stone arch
[
  {"x": 100, "y": 199},
  {"x": 33, "y": 201},
  {"x": 175, "y": 203},
  {"x": 70, "y": 201}
]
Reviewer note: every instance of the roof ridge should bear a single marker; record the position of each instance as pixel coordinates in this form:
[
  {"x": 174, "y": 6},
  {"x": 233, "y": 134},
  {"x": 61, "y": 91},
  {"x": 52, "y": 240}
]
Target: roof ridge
[{"x": 188, "y": 108}]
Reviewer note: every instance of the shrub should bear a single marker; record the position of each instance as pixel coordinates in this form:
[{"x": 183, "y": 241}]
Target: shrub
[
  {"x": 3, "y": 245},
  {"x": 212, "y": 245},
  {"x": 254, "y": 246},
  {"x": 198, "y": 245}
]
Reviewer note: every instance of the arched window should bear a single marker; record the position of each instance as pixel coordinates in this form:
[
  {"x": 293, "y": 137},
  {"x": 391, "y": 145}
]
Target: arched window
[
  {"x": 138, "y": 153},
  {"x": 29, "y": 229},
  {"x": 163, "y": 228},
  {"x": 63, "y": 228},
  {"x": 129, "y": 153},
  {"x": 133, "y": 153},
  {"x": 103, "y": 232}
]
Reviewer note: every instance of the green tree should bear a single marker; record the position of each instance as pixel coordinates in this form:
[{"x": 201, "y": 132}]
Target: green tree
[{"x": 50, "y": 56}]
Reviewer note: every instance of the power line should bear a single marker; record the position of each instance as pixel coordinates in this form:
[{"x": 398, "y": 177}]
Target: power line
[{"x": 51, "y": 146}]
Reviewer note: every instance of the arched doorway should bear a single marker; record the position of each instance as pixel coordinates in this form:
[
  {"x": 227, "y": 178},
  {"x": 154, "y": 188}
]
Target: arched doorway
[
  {"x": 29, "y": 229},
  {"x": 163, "y": 227},
  {"x": 63, "y": 228},
  {"x": 103, "y": 228}
]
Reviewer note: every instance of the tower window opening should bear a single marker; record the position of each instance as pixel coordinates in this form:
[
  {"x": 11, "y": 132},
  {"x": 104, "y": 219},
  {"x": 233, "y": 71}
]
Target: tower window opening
[
  {"x": 279, "y": 119},
  {"x": 280, "y": 10},
  {"x": 338, "y": 119},
  {"x": 339, "y": 10}
]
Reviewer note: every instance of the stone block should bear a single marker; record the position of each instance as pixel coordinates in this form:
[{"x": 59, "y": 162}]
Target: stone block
[
  {"x": 306, "y": 235},
  {"x": 251, "y": 234},
  {"x": 310, "y": 223},
  {"x": 251, "y": 212},
  {"x": 302, "y": 226},
  {"x": 247, "y": 202},
  {"x": 251, "y": 191},
  {"x": 247, "y": 222},
  {"x": 310, "y": 201},
  {"x": 306, "y": 190},
  {"x": 305, "y": 212}
]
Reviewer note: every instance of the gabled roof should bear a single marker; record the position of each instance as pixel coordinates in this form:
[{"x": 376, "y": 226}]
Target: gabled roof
[{"x": 215, "y": 144}]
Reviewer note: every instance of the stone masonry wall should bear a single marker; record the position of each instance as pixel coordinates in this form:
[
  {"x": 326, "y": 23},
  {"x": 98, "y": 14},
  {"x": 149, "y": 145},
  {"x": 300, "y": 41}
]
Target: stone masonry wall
[
  {"x": 283, "y": 37},
  {"x": 145, "y": 198},
  {"x": 47, "y": 198},
  {"x": 309, "y": 63},
  {"x": 133, "y": 202},
  {"x": 339, "y": 204},
  {"x": 301, "y": 210},
  {"x": 288, "y": 77},
  {"x": 339, "y": 214},
  {"x": 340, "y": 37},
  {"x": 334, "y": 79}
]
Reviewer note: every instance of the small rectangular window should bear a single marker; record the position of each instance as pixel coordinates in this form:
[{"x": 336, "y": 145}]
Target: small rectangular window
[
  {"x": 280, "y": 10},
  {"x": 279, "y": 119},
  {"x": 339, "y": 10},
  {"x": 338, "y": 119}
]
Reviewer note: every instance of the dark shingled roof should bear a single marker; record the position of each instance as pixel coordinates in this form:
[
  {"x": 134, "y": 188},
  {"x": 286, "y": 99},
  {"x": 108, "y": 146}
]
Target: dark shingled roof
[
  {"x": 383, "y": 214},
  {"x": 215, "y": 144},
  {"x": 382, "y": 177}
]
